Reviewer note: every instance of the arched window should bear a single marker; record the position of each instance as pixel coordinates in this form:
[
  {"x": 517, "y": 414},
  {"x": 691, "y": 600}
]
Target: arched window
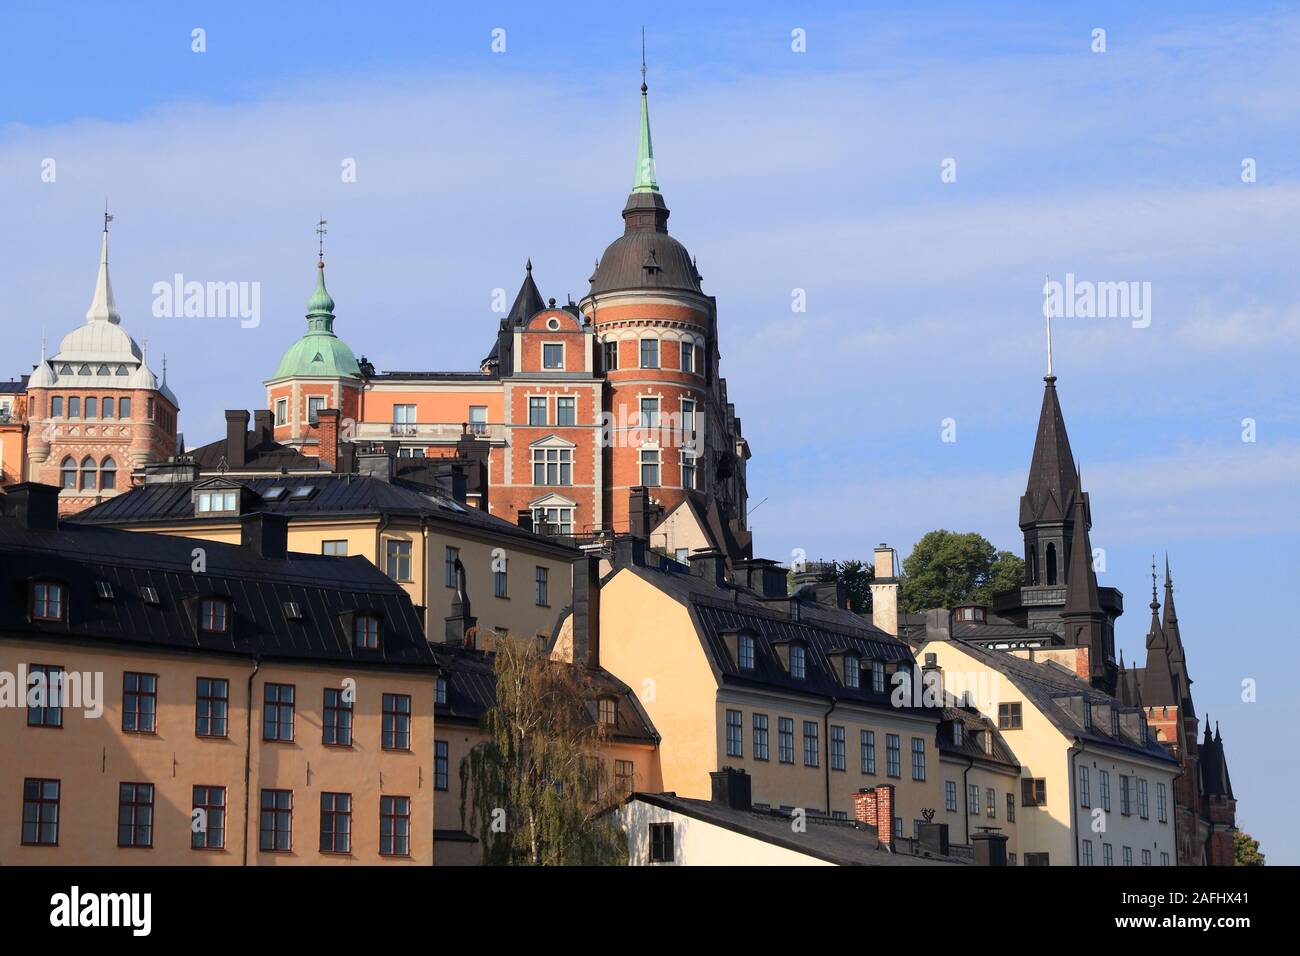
[
  {"x": 1031, "y": 570},
  {"x": 56, "y": 406},
  {"x": 74, "y": 407},
  {"x": 68, "y": 473},
  {"x": 88, "y": 470},
  {"x": 108, "y": 474},
  {"x": 1051, "y": 563}
]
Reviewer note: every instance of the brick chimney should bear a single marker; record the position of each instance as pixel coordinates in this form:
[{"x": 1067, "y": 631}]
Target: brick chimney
[
  {"x": 236, "y": 437},
  {"x": 327, "y": 422},
  {"x": 874, "y": 806},
  {"x": 639, "y": 512},
  {"x": 34, "y": 506},
  {"x": 884, "y": 591}
]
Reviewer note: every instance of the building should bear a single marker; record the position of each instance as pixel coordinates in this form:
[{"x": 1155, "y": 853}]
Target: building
[
  {"x": 981, "y": 779},
  {"x": 13, "y": 431},
  {"x": 95, "y": 412},
  {"x": 203, "y": 703},
  {"x": 574, "y": 404}
]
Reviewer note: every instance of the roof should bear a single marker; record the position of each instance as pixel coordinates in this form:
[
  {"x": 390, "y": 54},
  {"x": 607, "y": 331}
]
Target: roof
[
  {"x": 319, "y": 353},
  {"x": 16, "y": 387},
  {"x": 973, "y": 722},
  {"x": 323, "y": 588},
  {"x": 840, "y": 842},
  {"x": 1049, "y": 493},
  {"x": 260, "y": 454}
]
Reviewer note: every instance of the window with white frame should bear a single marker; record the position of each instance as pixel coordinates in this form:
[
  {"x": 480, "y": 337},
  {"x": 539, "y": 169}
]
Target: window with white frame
[
  {"x": 689, "y": 471},
  {"x": 552, "y": 466},
  {"x": 537, "y": 410},
  {"x": 566, "y": 410},
  {"x": 552, "y": 355},
  {"x": 560, "y": 519},
  {"x": 649, "y": 353},
  {"x": 650, "y": 467},
  {"x": 688, "y": 356},
  {"x": 281, "y": 411},
  {"x": 649, "y": 413}
]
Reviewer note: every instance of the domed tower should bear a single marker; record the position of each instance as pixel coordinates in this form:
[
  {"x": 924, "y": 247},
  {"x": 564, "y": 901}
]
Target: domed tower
[
  {"x": 668, "y": 424},
  {"x": 318, "y": 371}
]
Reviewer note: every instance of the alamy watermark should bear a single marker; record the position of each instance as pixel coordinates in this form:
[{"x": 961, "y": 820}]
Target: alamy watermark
[
  {"x": 208, "y": 300},
  {"x": 1085, "y": 299}
]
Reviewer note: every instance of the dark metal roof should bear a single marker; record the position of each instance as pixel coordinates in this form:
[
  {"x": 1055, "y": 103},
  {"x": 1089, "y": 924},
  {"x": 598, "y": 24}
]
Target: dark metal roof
[
  {"x": 1214, "y": 781},
  {"x": 433, "y": 376},
  {"x": 323, "y": 588},
  {"x": 645, "y": 256},
  {"x": 259, "y": 455},
  {"x": 14, "y": 387},
  {"x": 1049, "y": 493},
  {"x": 973, "y": 722}
]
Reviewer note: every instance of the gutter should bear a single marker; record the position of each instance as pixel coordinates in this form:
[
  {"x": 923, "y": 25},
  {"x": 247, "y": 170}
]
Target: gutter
[
  {"x": 1075, "y": 750},
  {"x": 248, "y": 750},
  {"x": 826, "y": 731},
  {"x": 965, "y": 795}
]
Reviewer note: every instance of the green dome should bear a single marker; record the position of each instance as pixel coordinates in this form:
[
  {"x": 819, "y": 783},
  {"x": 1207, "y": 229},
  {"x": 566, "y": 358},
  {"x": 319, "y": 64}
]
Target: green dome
[
  {"x": 320, "y": 302},
  {"x": 319, "y": 353}
]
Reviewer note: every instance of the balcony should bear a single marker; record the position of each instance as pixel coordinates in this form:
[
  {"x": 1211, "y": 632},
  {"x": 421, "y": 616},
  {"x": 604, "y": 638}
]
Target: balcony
[{"x": 432, "y": 433}]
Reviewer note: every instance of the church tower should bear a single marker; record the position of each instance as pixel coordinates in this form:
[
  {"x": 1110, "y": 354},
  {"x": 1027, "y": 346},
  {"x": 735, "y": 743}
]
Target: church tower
[{"x": 1085, "y": 621}]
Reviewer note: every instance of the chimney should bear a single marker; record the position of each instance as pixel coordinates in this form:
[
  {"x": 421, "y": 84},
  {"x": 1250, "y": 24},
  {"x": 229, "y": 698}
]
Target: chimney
[
  {"x": 933, "y": 838},
  {"x": 34, "y": 506},
  {"x": 236, "y": 437},
  {"x": 938, "y": 624},
  {"x": 629, "y": 550},
  {"x": 327, "y": 422},
  {"x": 639, "y": 512},
  {"x": 347, "y": 462},
  {"x": 763, "y": 576},
  {"x": 264, "y": 427},
  {"x": 178, "y": 470},
  {"x": 884, "y": 591},
  {"x": 732, "y": 788},
  {"x": 266, "y": 533},
  {"x": 833, "y": 593},
  {"x": 524, "y": 518},
  {"x": 586, "y": 610},
  {"x": 710, "y": 564},
  {"x": 373, "y": 464},
  {"x": 990, "y": 848},
  {"x": 875, "y": 807}
]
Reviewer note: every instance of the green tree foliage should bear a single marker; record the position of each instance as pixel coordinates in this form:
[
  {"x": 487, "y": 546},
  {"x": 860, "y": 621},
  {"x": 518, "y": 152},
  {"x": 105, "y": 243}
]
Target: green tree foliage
[
  {"x": 535, "y": 791},
  {"x": 947, "y": 569},
  {"x": 856, "y": 577},
  {"x": 1246, "y": 849}
]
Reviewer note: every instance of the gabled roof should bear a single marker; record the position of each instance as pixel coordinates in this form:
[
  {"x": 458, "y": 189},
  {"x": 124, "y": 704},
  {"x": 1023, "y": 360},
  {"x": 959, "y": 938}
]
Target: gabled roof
[{"x": 973, "y": 722}]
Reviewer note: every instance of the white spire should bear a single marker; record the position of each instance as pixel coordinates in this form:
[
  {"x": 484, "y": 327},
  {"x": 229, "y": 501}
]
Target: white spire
[
  {"x": 102, "y": 307},
  {"x": 1047, "y": 314}
]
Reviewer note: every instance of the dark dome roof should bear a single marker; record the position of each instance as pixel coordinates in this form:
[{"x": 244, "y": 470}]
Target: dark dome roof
[{"x": 645, "y": 256}]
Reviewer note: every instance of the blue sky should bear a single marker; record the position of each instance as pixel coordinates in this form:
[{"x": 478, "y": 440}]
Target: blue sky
[{"x": 817, "y": 171}]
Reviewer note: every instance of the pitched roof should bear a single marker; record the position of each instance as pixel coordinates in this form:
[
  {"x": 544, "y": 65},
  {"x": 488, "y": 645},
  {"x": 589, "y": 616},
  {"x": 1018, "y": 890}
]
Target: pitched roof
[
  {"x": 1081, "y": 588},
  {"x": 1214, "y": 781},
  {"x": 1050, "y": 491},
  {"x": 973, "y": 722}
]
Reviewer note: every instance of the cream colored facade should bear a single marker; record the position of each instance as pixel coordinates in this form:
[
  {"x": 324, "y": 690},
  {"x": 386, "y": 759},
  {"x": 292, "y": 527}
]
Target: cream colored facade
[
  {"x": 92, "y": 756},
  {"x": 1060, "y": 826},
  {"x": 1004, "y": 783},
  {"x": 700, "y": 843}
]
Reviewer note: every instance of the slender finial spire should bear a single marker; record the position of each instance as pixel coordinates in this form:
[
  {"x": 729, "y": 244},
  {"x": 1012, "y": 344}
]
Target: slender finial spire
[
  {"x": 645, "y": 181},
  {"x": 1154, "y": 603},
  {"x": 102, "y": 307},
  {"x": 1047, "y": 314},
  {"x": 320, "y": 244}
]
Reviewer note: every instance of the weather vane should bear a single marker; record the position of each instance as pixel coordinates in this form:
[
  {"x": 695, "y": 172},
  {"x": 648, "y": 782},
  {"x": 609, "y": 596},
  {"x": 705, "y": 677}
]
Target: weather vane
[
  {"x": 107, "y": 217},
  {"x": 643, "y": 58},
  {"x": 320, "y": 232}
]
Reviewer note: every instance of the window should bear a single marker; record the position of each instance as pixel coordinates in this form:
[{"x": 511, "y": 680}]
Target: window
[
  {"x": 336, "y": 823},
  {"x": 1038, "y": 859},
  {"x": 566, "y": 411},
  {"x": 1087, "y": 714},
  {"x": 44, "y": 695},
  {"x": 135, "y": 814},
  {"x": 440, "y": 691},
  {"x": 1051, "y": 563},
  {"x": 868, "y": 746},
  {"x": 1033, "y": 792},
  {"x": 315, "y": 405},
  {"x": 661, "y": 843},
  {"x": 649, "y": 413},
  {"x": 1085, "y": 797},
  {"x": 537, "y": 411},
  {"x": 877, "y": 677},
  {"x": 108, "y": 407},
  {"x": 397, "y": 559},
  {"x": 1011, "y": 808},
  {"x": 760, "y": 736},
  {"x": 337, "y": 549},
  {"x": 1009, "y": 717},
  {"x": 811, "y": 744},
  {"x": 92, "y": 408},
  {"x": 396, "y": 731},
  {"x": 649, "y": 353},
  {"x": 139, "y": 703},
  {"x": 211, "y": 704},
  {"x": 609, "y": 355},
  {"x": 404, "y": 420},
  {"x": 1107, "y": 855},
  {"x": 558, "y": 520},
  {"x": 501, "y": 579},
  {"x": 542, "y": 588},
  {"x": 88, "y": 470},
  {"x": 108, "y": 475},
  {"x": 1128, "y": 856},
  {"x": 745, "y": 651},
  {"x": 214, "y": 615},
  {"x": 688, "y": 356},
  {"x": 991, "y": 803},
  {"x": 1146, "y": 857},
  {"x": 918, "y": 759},
  {"x": 1144, "y": 806},
  {"x": 688, "y": 469},
  {"x": 785, "y": 739},
  {"x": 608, "y": 710},
  {"x": 68, "y": 474},
  {"x": 276, "y": 827},
  {"x": 124, "y": 408},
  {"x": 1164, "y": 859},
  {"x": 74, "y": 407},
  {"x": 972, "y": 799},
  {"x": 40, "y": 812},
  {"x": 208, "y": 821},
  {"x": 650, "y": 467},
  {"x": 1103, "y": 786},
  {"x": 1162, "y": 810},
  {"x": 336, "y": 719},
  {"x": 624, "y": 776},
  {"x": 281, "y": 411},
  {"x": 441, "y": 761},
  {"x": 1086, "y": 847},
  {"x": 798, "y": 661},
  {"x": 552, "y": 355},
  {"x": 1125, "y": 795},
  {"x": 950, "y": 795},
  {"x": 1114, "y": 722},
  {"x": 149, "y": 595},
  {"x": 449, "y": 558},
  {"x": 957, "y": 730},
  {"x": 277, "y": 712},
  {"x": 735, "y": 734},
  {"x": 552, "y": 466},
  {"x": 839, "y": 760},
  {"x": 218, "y": 501},
  {"x": 56, "y": 406},
  {"x": 852, "y": 671},
  {"x": 893, "y": 756},
  {"x": 394, "y": 826}
]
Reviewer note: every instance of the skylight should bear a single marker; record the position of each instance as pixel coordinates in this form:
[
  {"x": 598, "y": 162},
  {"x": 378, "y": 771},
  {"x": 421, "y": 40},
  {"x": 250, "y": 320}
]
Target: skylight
[{"x": 274, "y": 494}]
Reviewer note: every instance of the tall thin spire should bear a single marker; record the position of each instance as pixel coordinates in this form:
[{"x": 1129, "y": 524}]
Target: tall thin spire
[
  {"x": 102, "y": 307},
  {"x": 645, "y": 181},
  {"x": 1047, "y": 314}
]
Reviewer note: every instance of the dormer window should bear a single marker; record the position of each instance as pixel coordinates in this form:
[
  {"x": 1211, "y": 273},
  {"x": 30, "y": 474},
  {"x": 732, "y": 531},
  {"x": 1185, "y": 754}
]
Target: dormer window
[
  {"x": 608, "y": 711},
  {"x": 1142, "y": 724},
  {"x": 745, "y": 652},
  {"x": 365, "y": 632},
  {"x": 798, "y": 661},
  {"x": 149, "y": 595},
  {"x": 973, "y": 615},
  {"x": 217, "y": 502},
  {"x": 440, "y": 691},
  {"x": 957, "y": 734},
  {"x": 877, "y": 677},
  {"x": 48, "y": 601},
  {"x": 1087, "y": 714},
  {"x": 104, "y": 590},
  {"x": 1114, "y": 722},
  {"x": 214, "y": 615}
]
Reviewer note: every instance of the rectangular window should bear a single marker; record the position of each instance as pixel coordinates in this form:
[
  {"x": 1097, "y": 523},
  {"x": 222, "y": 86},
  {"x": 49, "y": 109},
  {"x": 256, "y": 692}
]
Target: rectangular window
[
  {"x": 281, "y": 411},
  {"x": 542, "y": 594},
  {"x": 124, "y": 408},
  {"x": 1164, "y": 859},
  {"x": 798, "y": 661},
  {"x": 336, "y": 724},
  {"x": 877, "y": 677},
  {"x": 852, "y": 672},
  {"x": 208, "y": 818},
  {"x": 1146, "y": 857},
  {"x": 1103, "y": 781},
  {"x": 760, "y": 736},
  {"x": 1162, "y": 809},
  {"x": 478, "y": 423},
  {"x": 688, "y": 356},
  {"x": 135, "y": 814},
  {"x": 397, "y": 558},
  {"x": 1011, "y": 808},
  {"x": 92, "y": 408},
  {"x": 552, "y": 466},
  {"x": 1144, "y": 806},
  {"x": 1009, "y": 717},
  {"x": 277, "y": 712},
  {"x": 1033, "y": 792},
  {"x": 624, "y": 776},
  {"x": 537, "y": 411},
  {"x": 440, "y": 764},
  {"x": 1128, "y": 856},
  {"x": 893, "y": 756},
  {"x": 785, "y": 739},
  {"x": 649, "y": 353},
  {"x": 1085, "y": 796},
  {"x": 950, "y": 795},
  {"x": 649, "y": 413},
  {"x": 139, "y": 703},
  {"x": 44, "y": 695},
  {"x": 396, "y": 732},
  {"x": 315, "y": 405},
  {"x": 607, "y": 710},
  {"x": 688, "y": 470},
  {"x": 211, "y": 705},
  {"x": 868, "y": 741},
  {"x": 56, "y": 406},
  {"x": 839, "y": 757},
  {"x": 40, "y": 812},
  {"x": 1107, "y": 855},
  {"x": 609, "y": 356},
  {"x": 1125, "y": 795},
  {"x": 811, "y": 744},
  {"x": 1086, "y": 847},
  {"x": 440, "y": 690},
  {"x": 566, "y": 411},
  {"x": 650, "y": 467},
  {"x": 501, "y": 579},
  {"x": 276, "y": 825},
  {"x": 553, "y": 520},
  {"x": 394, "y": 826},
  {"x": 735, "y": 734},
  {"x": 918, "y": 758},
  {"x": 449, "y": 558},
  {"x": 108, "y": 407},
  {"x": 74, "y": 407},
  {"x": 973, "y": 799},
  {"x": 745, "y": 651},
  {"x": 552, "y": 355},
  {"x": 991, "y": 803},
  {"x": 661, "y": 843},
  {"x": 336, "y": 823},
  {"x": 337, "y": 549}
]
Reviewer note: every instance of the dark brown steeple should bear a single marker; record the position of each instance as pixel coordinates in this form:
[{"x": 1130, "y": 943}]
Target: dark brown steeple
[
  {"x": 1174, "y": 640},
  {"x": 1047, "y": 506},
  {"x": 1085, "y": 621},
  {"x": 1159, "y": 686}
]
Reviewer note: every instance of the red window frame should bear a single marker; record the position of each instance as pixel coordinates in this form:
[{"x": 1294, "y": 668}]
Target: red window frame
[
  {"x": 212, "y": 801},
  {"x": 275, "y": 829},
  {"x": 133, "y": 710},
  {"x": 392, "y": 811},
  {"x": 40, "y": 802},
  {"x": 395, "y": 732},
  {"x": 47, "y": 595},
  {"x": 330, "y": 816},
  {"x": 135, "y": 804}
]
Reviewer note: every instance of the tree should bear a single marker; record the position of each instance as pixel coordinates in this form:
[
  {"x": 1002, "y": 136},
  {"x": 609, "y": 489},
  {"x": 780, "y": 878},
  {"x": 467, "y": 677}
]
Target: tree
[
  {"x": 947, "y": 569},
  {"x": 1246, "y": 849},
  {"x": 856, "y": 576},
  {"x": 535, "y": 790}
]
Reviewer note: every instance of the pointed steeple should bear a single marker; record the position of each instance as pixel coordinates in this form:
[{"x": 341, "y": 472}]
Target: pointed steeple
[
  {"x": 529, "y": 300},
  {"x": 645, "y": 153},
  {"x": 1159, "y": 685},
  {"x": 1081, "y": 587},
  {"x": 1050, "y": 488},
  {"x": 102, "y": 307},
  {"x": 1174, "y": 638}
]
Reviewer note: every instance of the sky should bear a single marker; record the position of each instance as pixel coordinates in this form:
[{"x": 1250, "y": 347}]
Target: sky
[{"x": 826, "y": 175}]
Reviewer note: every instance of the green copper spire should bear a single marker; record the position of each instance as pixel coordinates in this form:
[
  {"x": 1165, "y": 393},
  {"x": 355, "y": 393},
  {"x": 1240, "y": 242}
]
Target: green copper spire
[
  {"x": 645, "y": 151},
  {"x": 320, "y": 307},
  {"x": 319, "y": 353}
]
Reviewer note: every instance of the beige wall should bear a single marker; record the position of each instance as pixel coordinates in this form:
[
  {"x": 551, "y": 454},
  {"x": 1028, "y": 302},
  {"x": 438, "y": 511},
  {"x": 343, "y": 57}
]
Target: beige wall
[
  {"x": 696, "y": 843},
  {"x": 92, "y": 756},
  {"x": 961, "y": 823}
]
